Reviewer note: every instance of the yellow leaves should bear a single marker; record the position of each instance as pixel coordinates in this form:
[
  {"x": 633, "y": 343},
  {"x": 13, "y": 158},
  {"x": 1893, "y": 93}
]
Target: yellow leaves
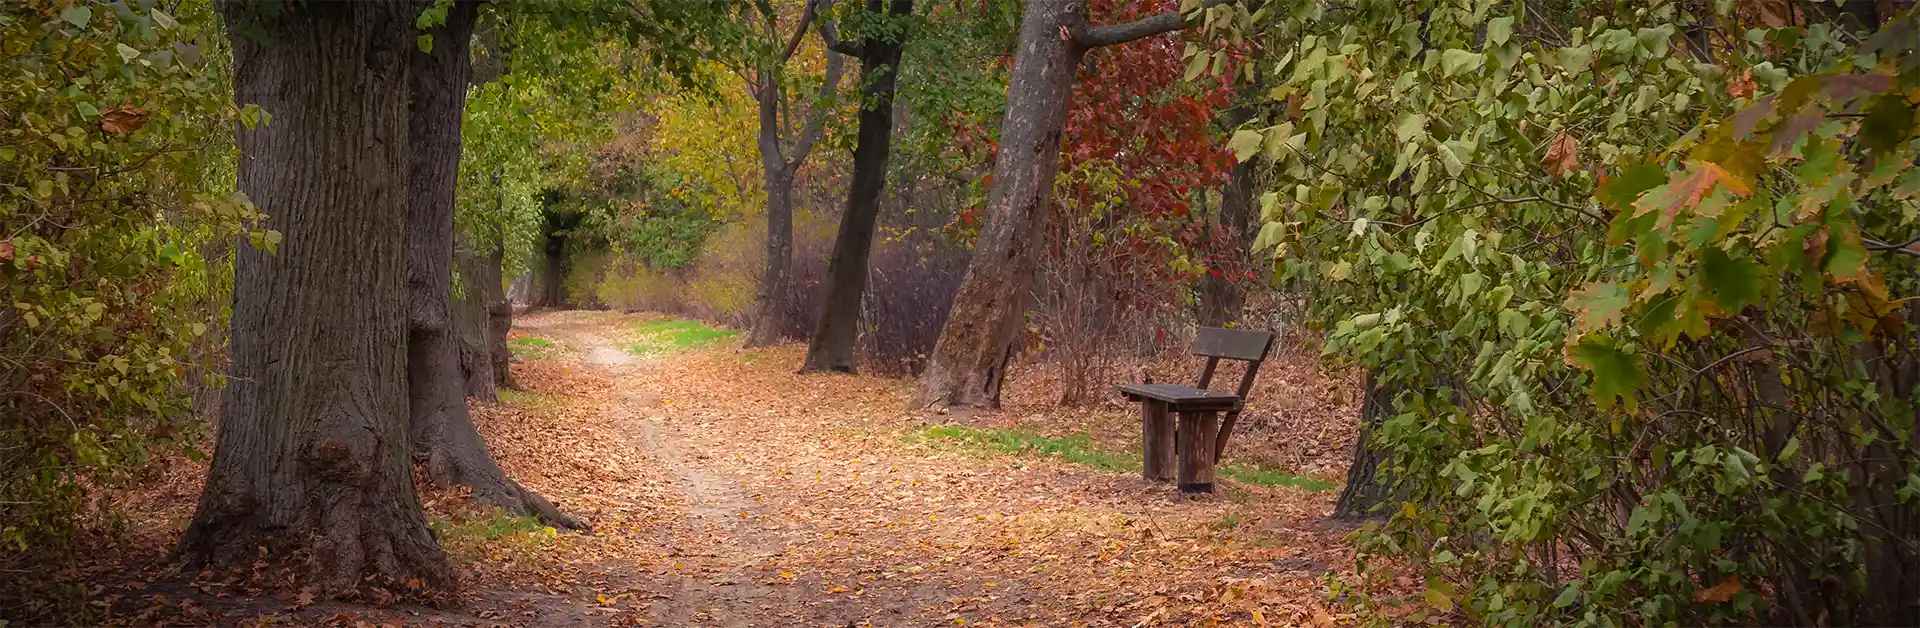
[
  {"x": 1719, "y": 593},
  {"x": 1563, "y": 156}
]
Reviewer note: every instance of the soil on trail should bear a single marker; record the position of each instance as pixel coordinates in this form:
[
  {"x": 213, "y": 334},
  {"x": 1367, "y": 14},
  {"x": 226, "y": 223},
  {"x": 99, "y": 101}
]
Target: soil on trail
[{"x": 724, "y": 489}]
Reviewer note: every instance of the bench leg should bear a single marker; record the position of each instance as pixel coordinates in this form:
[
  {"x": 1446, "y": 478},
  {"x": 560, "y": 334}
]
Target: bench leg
[
  {"x": 1197, "y": 431},
  {"x": 1156, "y": 441}
]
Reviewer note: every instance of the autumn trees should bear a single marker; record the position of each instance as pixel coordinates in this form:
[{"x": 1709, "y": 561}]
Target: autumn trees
[{"x": 969, "y": 362}]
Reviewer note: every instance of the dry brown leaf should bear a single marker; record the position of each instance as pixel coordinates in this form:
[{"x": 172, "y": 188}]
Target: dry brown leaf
[
  {"x": 1719, "y": 593},
  {"x": 6, "y": 250},
  {"x": 1563, "y": 155},
  {"x": 1741, "y": 85},
  {"x": 123, "y": 120}
]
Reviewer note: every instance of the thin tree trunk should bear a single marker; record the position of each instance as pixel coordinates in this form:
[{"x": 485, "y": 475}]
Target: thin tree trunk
[
  {"x": 311, "y": 457},
  {"x": 1367, "y": 487},
  {"x": 834, "y": 333},
  {"x": 471, "y": 325},
  {"x": 499, "y": 312},
  {"x": 1222, "y": 295},
  {"x": 442, "y": 429},
  {"x": 779, "y": 167}
]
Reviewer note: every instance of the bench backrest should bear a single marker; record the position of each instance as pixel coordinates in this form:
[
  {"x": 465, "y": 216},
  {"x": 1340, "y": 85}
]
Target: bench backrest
[{"x": 1233, "y": 344}]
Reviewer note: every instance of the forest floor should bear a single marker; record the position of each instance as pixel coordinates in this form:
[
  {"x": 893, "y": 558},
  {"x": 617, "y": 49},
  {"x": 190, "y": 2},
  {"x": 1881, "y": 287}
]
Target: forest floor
[{"x": 724, "y": 489}]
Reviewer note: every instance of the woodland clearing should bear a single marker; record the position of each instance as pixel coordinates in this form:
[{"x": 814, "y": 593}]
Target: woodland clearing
[{"x": 724, "y": 489}]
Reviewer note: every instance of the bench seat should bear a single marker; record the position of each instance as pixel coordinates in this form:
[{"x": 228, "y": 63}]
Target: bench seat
[{"x": 1182, "y": 398}]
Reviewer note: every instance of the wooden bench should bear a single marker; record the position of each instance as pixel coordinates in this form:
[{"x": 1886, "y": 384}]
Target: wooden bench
[{"x": 1197, "y": 442}]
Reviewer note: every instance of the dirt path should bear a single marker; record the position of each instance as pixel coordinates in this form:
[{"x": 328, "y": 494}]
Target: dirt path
[{"x": 774, "y": 499}]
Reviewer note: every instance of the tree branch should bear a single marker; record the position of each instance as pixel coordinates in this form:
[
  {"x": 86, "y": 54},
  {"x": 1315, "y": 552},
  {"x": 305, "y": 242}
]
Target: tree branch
[
  {"x": 817, "y": 119},
  {"x": 1089, "y": 36},
  {"x": 799, "y": 33},
  {"x": 832, "y": 39}
]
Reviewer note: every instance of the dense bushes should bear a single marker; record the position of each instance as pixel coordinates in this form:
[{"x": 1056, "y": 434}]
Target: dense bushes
[
  {"x": 115, "y": 167},
  {"x": 1620, "y": 260}
]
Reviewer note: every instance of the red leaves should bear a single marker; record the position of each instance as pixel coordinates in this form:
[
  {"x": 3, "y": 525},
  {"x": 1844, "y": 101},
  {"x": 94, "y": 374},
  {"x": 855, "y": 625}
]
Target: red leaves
[{"x": 1685, "y": 191}]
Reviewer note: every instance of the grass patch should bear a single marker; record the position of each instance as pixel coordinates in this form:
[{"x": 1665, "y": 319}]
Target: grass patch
[
  {"x": 533, "y": 348},
  {"x": 1081, "y": 449},
  {"x": 672, "y": 335},
  {"x": 529, "y": 400},
  {"x": 496, "y": 536}
]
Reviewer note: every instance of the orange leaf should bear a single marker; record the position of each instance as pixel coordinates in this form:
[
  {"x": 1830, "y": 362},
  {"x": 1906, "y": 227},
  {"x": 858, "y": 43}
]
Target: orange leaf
[
  {"x": 1684, "y": 192},
  {"x": 1563, "y": 155},
  {"x": 1741, "y": 85},
  {"x": 1719, "y": 593}
]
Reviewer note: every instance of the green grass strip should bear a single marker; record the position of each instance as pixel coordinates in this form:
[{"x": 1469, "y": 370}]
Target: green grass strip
[
  {"x": 1081, "y": 449},
  {"x": 671, "y": 335}
]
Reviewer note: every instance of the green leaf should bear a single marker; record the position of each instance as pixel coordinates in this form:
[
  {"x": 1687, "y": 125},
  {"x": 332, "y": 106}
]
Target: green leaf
[
  {"x": 1733, "y": 281},
  {"x": 127, "y": 53},
  {"x": 77, "y": 16},
  {"x": 1244, "y": 144},
  {"x": 1846, "y": 258},
  {"x": 1454, "y": 61},
  {"x": 165, "y": 21},
  {"x": 425, "y": 42},
  {"x": 1499, "y": 30},
  {"x": 1616, "y": 374},
  {"x": 1411, "y": 126},
  {"x": 1568, "y": 595},
  {"x": 1597, "y": 305}
]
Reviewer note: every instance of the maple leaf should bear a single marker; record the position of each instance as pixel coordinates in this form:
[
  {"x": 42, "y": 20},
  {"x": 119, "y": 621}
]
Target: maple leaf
[
  {"x": 1719, "y": 593},
  {"x": 1741, "y": 85},
  {"x": 1563, "y": 155},
  {"x": 123, "y": 120},
  {"x": 1684, "y": 192},
  {"x": 1597, "y": 305}
]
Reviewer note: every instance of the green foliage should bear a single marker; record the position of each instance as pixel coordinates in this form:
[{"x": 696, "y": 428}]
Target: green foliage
[
  {"x": 1644, "y": 292},
  {"x": 116, "y": 216}
]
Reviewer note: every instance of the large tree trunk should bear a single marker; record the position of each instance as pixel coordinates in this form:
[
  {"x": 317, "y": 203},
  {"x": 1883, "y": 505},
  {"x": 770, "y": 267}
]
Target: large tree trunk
[
  {"x": 311, "y": 457},
  {"x": 968, "y": 361},
  {"x": 442, "y": 430},
  {"x": 1367, "y": 486},
  {"x": 831, "y": 348}
]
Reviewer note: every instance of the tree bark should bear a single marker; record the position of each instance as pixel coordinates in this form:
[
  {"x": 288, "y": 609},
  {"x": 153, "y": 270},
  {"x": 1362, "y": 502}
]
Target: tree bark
[
  {"x": 1367, "y": 485},
  {"x": 779, "y": 166},
  {"x": 772, "y": 297},
  {"x": 499, "y": 312},
  {"x": 312, "y": 455},
  {"x": 967, "y": 363},
  {"x": 471, "y": 325},
  {"x": 1223, "y": 296},
  {"x": 834, "y": 333},
  {"x": 443, "y": 433}
]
